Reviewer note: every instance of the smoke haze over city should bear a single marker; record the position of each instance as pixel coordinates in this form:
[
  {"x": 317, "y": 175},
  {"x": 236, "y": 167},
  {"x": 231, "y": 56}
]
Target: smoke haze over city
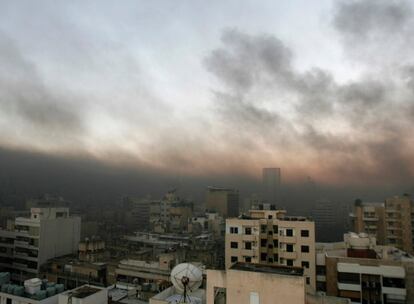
[{"x": 211, "y": 90}]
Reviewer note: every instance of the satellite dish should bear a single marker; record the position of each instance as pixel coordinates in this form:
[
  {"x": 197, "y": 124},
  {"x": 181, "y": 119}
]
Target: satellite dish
[{"x": 186, "y": 278}]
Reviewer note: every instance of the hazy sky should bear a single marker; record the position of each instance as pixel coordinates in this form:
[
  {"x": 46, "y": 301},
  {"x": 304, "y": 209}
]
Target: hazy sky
[{"x": 319, "y": 88}]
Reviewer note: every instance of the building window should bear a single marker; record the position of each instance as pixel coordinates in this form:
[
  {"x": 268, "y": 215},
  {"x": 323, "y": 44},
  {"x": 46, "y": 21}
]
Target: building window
[
  {"x": 254, "y": 298},
  {"x": 289, "y": 232},
  {"x": 289, "y": 247},
  {"x": 270, "y": 260},
  {"x": 321, "y": 286},
  {"x": 275, "y": 228},
  {"x": 304, "y": 248},
  {"x": 263, "y": 242},
  {"x": 8, "y": 301},
  {"x": 393, "y": 282},
  {"x": 234, "y": 230},
  {"x": 305, "y": 264},
  {"x": 289, "y": 262},
  {"x": 275, "y": 257},
  {"x": 248, "y": 259},
  {"x": 248, "y": 245},
  {"x": 263, "y": 256},
  {"x": 270, "y": 232},
  {"x": 304, "y": 233},
  {"x": 320, "y": 270},
  {"x": 307, "y": 280},
  {"x": 270, "y": 246},
  {"x": 349, "y": 278},
  {"x": 234, "y": 245},
  {"x": 275, "y": 243},
  {"x": 234, "y": 259},
  {"x": 263, "y": 228},
  {"x": 248, "y": 230}
]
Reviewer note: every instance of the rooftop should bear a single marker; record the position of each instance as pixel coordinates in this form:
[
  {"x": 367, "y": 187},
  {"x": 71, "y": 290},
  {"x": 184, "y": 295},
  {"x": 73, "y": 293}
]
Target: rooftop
[
  {"x": 218, "y": 189},
  {"x": 275, "y": 269},
  {"x": 84, "y": 291}
]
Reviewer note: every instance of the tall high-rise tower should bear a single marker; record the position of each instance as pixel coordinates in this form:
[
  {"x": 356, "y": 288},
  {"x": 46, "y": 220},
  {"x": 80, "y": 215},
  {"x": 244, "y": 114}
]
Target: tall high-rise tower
[{"x": 271, "y": 185}]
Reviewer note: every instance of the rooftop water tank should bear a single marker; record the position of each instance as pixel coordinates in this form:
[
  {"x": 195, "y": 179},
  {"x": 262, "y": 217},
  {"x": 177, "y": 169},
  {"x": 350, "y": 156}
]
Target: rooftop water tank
[
  {"x": 32, "y": 286},
  {"x": 40, "y": 295},
  {"x": 59, "y": 288},
  {"x": 4, "y": 287},
  {"x": 51, "y": 291},
  {"x": 10, "y": 288},
  {"x": 4, "y": 277},
  {"x": 18, "y": 291}
]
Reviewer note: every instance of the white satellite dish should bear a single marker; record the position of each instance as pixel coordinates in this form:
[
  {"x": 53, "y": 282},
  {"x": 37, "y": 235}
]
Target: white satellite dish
[{"x": 186, "y": 278}]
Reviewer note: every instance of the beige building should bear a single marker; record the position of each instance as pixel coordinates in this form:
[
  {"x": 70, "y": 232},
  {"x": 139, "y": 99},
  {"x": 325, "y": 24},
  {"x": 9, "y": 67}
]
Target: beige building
[
  {"x": 245, "y": 283},
  {"x": 171, "y": 214},
  {"x": 222, "y": 200},
  {"x": 390, "y": 222},
  {"x": 91, "y": 250},
  {"x": 270, "y": 237}
]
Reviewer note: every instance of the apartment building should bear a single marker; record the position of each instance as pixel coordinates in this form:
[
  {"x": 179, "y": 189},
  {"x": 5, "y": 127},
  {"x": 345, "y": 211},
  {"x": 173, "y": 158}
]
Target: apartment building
[
  {"x": 223, "y": 200},
  {"x": 391, "y": 222},
  {"x": 171, "y": 214},
  {"x": 271, "y": 237},
  {"x": 364, "y": 272},
  {"x": 47, "y": 233}
]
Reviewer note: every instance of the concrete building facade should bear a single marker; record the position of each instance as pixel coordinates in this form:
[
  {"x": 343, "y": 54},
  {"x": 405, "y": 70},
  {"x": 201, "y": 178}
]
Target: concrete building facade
[
  {"x": 391, "y": 222},
  {"x": 47, "y": 233},
  {"x": 245, "y": 283},
  {"x": 270, "y": 237},
  {"x": 360, "y": 270}
]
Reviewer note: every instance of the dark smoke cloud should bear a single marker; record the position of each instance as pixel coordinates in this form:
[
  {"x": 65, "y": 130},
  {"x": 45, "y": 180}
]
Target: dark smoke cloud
[
  {"x": 355, "y": 131},
  {"x": 372, "y": 19},
  {"x": 25, "y": 96},
  {"x": 376, "y": 32}
]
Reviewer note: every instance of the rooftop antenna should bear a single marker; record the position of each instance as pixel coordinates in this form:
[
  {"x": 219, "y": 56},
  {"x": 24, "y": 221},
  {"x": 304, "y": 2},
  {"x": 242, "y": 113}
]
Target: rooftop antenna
[{"x": 186, "y": 278}]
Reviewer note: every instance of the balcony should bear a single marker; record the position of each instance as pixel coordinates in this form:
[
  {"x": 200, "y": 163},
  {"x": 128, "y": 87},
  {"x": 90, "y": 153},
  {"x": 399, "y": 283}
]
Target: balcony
[
  {"x": 287, "y": 239},
  {"x": 25, "y": 256},
  {"x": 392, "y": 219},
  {"x": 370, "y": 219},
  {"x": 250, "y": 237},
  {"x": 393, "y": 228},
  {"x": 21, "y": 243},
  {"x": 391, "y": 210},
  {"x": 288, "y": 255},
  {"x": 320, "y": 278},
  {"x": 394, "y": 291},
  {"x": 348, "y": 286},
  {"x": 247, "y": 252}
]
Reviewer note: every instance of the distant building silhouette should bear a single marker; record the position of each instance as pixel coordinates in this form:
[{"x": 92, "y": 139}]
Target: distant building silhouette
[
  {"x": 271, "y": 184},
  {"x": 224, "y": 201}
]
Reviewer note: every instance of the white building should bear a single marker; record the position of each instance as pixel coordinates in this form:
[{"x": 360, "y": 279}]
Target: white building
[
  {"x": 364, "y": 272},
  {"x": 47, "y": 233}
]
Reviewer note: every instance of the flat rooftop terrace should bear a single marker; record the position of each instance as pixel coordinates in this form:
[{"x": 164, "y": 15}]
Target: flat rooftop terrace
[
  {"x": 275, "y": 269},
  {"x": 84, "y": 291}
]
